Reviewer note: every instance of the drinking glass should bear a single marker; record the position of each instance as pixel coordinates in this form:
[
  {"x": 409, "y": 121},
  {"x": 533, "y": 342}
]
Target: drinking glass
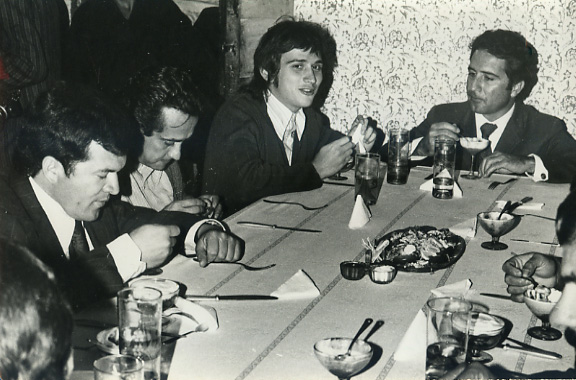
[
  {"x": 446, "y": 335},
  {"x": 367, "y": 176},
  {"x": 497, "y": 225},
  {"x": 118, "y": 367},
  {"x": 331, "y": 352},
  {"x": 485, "y": 332},
  {"x": 541, "y": 307},
  {"x": 474, "y": 145},
  {"x": 140, "y": 324},
  {"x": 443, "y": 171},
  {"x": 398, "y": 156}
]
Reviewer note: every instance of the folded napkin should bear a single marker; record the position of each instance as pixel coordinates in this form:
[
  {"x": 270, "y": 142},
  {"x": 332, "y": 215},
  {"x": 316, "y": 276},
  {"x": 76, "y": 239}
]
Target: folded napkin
[
  {"x": 412, "y": 347},
  {"x": 204, "y": 315},
  {"x": 457, "y": 289},
  {"x": 360, "y": 214},
  {"x": 429, "y": 185},
  {"x": 299, "y": 286},
  {"x": 466, "y": 229},
  {"x": 358, "y": 139},
  {"x": 528, "y": 206}
]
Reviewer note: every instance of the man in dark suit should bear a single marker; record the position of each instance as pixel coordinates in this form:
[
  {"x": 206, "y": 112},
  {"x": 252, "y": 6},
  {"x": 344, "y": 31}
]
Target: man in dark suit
[
  {"x": 69, "y": 153},
  {"x": 502, "y": 72},
  {"x": 166, "y": 105}
]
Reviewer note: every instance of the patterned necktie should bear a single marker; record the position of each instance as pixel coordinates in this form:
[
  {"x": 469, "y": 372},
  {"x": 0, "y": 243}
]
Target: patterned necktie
[
  {"x": 79, "y": 242},
  {"x": 288, "y": 138}
]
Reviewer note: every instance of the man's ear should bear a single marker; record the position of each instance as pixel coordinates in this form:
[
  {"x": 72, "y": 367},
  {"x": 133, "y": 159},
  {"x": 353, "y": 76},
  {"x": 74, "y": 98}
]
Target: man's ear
[
  {"x": 264, "y": 74},
  {"x": 52, "y": 169},
  {"x": 517, "y": 88}
]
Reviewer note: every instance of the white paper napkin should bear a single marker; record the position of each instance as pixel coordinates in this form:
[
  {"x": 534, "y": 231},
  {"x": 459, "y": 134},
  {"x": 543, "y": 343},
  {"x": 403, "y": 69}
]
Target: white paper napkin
[
  {"x": 299, "y": 286},
  {"x": 360, "y": 214},
  {"x": 529, "y": 206},
  {"x": 358, "y": 139},
  {"x": 457, "y": 289},
  {"x": 429, "y": 185},
  {"x": 466, "y": 229},
  {"x": 205, "y": 315},
  {"x": 412, "y": 347}
]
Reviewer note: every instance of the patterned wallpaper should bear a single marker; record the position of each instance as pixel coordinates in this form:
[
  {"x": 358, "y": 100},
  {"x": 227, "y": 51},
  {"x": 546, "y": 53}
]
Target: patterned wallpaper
[{"x": 398, "y": 58}]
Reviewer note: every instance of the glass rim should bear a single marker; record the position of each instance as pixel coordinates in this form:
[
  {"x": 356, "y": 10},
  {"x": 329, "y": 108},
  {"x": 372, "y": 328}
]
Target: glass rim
[
  {"x": 154, "y": 294},
  {"x": 98, "y": 363},
  {"x": 431, "y": 301}
]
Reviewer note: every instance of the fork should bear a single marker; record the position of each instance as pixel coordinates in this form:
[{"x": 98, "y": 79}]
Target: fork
[
  {"x": 495, "y": 184},
  {"x": 295, "y": 203},
  {"x": 249, "y": 267}
]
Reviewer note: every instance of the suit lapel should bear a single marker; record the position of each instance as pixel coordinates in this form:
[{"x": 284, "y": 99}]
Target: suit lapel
[
  {"x": 511, "y": 136},
  {"x": 46, "y": 235}
]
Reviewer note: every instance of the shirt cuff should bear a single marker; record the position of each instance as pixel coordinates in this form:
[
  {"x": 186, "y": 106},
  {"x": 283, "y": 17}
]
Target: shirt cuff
[
  {"x": 191, "y": 238},
  {"x": 540, "y": 171},
  {"x": 127, "y": 257}
]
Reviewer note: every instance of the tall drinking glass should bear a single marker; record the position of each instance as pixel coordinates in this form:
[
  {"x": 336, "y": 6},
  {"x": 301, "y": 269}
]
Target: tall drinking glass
[
  {"x": 446, "y": 335},
  {"x": 367, "y": 173},
  {"x": 118, "y": 367},
  {"x": 444, "y": 165},
  {"x": 140, "y": 324},
  {"x": 398, "y": 156}
]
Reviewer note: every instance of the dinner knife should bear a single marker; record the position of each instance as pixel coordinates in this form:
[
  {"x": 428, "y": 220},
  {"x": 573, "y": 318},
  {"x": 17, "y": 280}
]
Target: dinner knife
[
  {"x": 494, "y": 295},
  {"x": 238, "y": 297},
  {"x": 536, "y": 242},
  {"x": 277, "y": 227}
]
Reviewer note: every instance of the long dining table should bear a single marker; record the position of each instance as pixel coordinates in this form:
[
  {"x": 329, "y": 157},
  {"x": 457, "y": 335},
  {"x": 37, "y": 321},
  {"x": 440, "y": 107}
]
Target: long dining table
[{"x": 275, "y": 339}]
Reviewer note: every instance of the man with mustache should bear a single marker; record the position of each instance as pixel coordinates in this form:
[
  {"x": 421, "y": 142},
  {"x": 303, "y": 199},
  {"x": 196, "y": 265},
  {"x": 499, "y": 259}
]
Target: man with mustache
[
  {"x": 58, "y": 205},
  {"x": 503, "y": 70},
  {"x": 271, "y": 138}
]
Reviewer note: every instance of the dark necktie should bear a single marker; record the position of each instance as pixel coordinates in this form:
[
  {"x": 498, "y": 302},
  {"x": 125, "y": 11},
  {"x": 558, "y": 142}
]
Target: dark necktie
[
  {"x": 486, "y": 129},
  {"x": 79, "y": 242}
]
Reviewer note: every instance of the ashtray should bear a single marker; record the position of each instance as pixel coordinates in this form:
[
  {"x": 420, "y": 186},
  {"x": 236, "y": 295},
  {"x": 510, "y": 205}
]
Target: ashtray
[
  {"x": 353, "y": 270},
  {"x": 382, "y": 273}
]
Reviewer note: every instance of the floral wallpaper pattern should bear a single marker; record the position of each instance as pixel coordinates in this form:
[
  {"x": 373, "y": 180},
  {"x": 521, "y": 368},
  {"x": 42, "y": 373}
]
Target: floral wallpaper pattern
[{"x": 398, "y": 58}]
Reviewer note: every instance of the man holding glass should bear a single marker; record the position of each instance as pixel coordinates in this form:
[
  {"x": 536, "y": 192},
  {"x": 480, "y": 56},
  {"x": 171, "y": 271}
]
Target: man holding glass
[
  {"x": 503, "y": 70},
  {"x": 272, "y": 138}
]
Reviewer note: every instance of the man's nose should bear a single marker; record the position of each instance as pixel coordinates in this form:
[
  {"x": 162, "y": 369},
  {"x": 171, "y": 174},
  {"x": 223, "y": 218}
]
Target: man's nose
[
  {"x": 475, "y": 85},
  {"x": 310, "y": 75},
  {"x": 112, "y": 186},
  {"x": 175, "y": 151}
]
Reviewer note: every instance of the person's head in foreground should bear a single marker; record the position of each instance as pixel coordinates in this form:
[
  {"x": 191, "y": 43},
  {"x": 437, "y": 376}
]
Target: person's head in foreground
[
  {"x": 35, "y": 320},
  {"x": 503, "y": 69},
  {"x": 73, "y": 144},
  {"x": 295, "y": 61},
  {"x": 166, "y": 105}
]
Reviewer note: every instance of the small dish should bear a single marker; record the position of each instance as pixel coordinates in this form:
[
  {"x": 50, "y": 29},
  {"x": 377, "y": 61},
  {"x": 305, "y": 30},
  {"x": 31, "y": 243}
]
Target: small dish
[
  {"x": 382, "y": 274},
  {"x": 352, "y": 270},
  {"x": 168, "y": 288}
]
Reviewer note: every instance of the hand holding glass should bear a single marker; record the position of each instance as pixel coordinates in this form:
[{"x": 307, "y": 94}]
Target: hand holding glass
[{"x": 474, "y": 145}]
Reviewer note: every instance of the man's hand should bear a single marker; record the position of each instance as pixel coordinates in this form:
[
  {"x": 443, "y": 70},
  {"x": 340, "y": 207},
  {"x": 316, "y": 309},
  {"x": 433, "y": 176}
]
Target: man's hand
[
  {"x": 194, "y": 206},
  {"x": 542, "y": 268},
  {"x": 506, "y": 163},
  {"x": 369, "y": 136},
  {"x": 332, "y": 157},
  {"x": 213, "y": 206},
  {"x": 218, "y": 246},
  {"x": 437, "y": 130},
  {"x": 155, "y": 242}
]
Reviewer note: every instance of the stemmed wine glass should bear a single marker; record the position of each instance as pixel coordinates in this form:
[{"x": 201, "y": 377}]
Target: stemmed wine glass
[
  {"x": 541, "y": 301},
  {"x": 485, "y": 333},
  {"x": 331, "y": 352},
  {"x": 474, "y": 145},
  {"x": 497, "y": 224}
]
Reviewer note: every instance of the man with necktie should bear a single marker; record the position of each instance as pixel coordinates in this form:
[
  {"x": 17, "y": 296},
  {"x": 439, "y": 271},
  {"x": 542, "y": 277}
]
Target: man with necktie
[
  {"x": 503, "y": 70},
  {"x": 58, "y": 205},
  {"x": 272, "y": 138}
]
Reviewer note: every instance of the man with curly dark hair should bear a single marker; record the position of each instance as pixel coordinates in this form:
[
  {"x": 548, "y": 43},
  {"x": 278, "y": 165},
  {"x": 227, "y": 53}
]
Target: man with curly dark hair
[
  {"x": 271, "y": 138},
  {"x": 502, "y": 72}
]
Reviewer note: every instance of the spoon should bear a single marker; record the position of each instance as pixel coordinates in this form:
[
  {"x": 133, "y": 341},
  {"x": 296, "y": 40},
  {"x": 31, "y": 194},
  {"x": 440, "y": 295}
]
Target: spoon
[
  {"x": 508, "y": 203},
  {"x": 364, "y": 326}
]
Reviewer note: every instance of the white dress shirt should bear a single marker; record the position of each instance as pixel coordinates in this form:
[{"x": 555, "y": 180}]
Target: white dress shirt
[
  {"x": 124, "y": 251},
  {"x": 150, "y": 188},
  {"x": 280, "y": 116}
]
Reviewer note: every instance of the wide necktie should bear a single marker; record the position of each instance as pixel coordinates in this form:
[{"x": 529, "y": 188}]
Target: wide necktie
[
  {"x": 288, "y": 138},
  {"x": 487, "y": 129},
  {"x": 79, "y": 242}
]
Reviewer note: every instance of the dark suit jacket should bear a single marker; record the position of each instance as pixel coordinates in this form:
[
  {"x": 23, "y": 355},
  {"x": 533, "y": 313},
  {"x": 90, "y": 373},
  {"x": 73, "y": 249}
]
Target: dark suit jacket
[
  {"x": 91, "y": 276},
  {"x": 245, "y": 158},
  {"x": 528, "y": 132}
]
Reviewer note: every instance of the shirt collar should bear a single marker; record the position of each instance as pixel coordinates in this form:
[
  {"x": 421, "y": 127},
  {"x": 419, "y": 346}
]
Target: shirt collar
[
  {"x": 280, "y": 116},
  {"x": 500, "y": 123},
  {"x": 62, "y": 223}
]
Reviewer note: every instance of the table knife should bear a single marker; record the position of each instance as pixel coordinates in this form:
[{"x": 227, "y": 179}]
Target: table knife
[
  {"x": 494, "y": 295},
  {"x": 534, "y": 351},
  {"x": 239, "y": 297},
  {"x": 275, "y": 226},
  {"x": 537, "y": 242}
]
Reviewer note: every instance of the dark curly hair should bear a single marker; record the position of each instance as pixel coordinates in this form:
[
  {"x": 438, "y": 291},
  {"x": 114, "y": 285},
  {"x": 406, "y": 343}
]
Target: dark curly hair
[
  {"x": 35, "y": 320},
  {"x": 285, "y": 36},
  {"x": 62, "y": 124},
  {"x": 520, "y": 56},
  {"x": 154, "y": 88}
]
